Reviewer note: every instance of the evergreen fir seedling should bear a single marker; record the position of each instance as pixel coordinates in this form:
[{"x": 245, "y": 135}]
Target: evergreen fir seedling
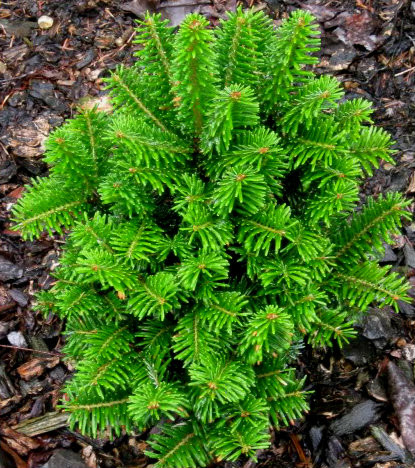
[{"x": 211, "y": 230}]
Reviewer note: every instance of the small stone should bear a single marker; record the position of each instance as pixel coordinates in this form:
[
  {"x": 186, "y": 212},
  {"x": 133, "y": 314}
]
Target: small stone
[
  {"x": 93, "y": 75},
  {"x": 45, "y": 22},
  {"x": 119, "y": 41},
  {"x": 408, "y": 352},
  {"x": 16, "y": 338}
]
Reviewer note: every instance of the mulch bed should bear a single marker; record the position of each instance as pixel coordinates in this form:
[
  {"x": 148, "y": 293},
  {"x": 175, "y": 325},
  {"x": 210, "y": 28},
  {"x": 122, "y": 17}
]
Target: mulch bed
[{"x": 357, "y": 417}]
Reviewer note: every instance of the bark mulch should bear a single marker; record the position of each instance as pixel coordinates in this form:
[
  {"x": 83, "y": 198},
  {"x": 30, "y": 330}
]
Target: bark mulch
[{"x": 362, "y": 409}]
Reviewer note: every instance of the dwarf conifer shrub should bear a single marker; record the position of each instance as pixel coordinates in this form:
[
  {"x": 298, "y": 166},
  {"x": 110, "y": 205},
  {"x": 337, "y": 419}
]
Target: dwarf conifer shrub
[{"x": 212, "y": 230}]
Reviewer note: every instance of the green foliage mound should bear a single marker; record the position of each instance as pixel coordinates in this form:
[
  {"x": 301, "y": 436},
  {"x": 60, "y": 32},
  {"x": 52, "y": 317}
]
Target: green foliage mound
[{"x": 212, "y": 232}]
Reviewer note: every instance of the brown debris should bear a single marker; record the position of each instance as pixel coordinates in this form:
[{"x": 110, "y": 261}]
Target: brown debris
[
  {"x": 21, "y": 443},
  {"x": 140, "y": 7},
  {"x": 36, "y": 367},
  {"x": 89, "y": 456},
  {"x": 402, "y": 393},
  {"x": 27, "y": 140},
  {"x": 42, "y": 424},
  {"x": 411, "y": 186},
  {"x": 9, "y": 458}
]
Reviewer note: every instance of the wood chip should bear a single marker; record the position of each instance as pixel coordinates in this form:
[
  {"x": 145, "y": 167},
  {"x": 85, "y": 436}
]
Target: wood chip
[
  {"x": 42, "y": 424},
  {"x": 35, "y": 367},
  {"x": 20, "y": 443},
  {"x": 411, "y": 186}
]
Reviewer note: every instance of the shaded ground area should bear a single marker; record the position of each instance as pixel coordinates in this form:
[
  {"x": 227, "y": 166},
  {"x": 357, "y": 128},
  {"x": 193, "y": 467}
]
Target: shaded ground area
[{"x": 360, "y": 410}]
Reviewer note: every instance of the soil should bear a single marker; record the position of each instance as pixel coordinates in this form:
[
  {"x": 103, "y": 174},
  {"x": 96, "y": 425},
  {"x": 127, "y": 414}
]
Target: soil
[{"x": 357, "y": 417}]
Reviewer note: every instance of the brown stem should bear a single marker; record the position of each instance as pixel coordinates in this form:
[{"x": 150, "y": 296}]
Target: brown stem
[{"x": 56, "y": 353}]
